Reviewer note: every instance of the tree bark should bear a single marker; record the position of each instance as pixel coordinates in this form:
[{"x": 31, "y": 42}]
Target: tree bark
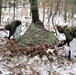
[
  {"x": 65, "y": 11},
  {"x": 14, "y": 11},
  {"x": 72, "y": 14},
  {"x": 34, "y": 10},
  {"x": 43, "y": 13},
  {"x": 57, "y": 9},
  {"x": 0, "y": 10},
  {"x": 50, "y": 14}
]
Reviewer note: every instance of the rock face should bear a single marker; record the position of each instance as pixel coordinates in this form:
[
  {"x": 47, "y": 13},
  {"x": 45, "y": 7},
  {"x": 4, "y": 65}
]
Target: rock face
[{"x": 37, "y": 34}]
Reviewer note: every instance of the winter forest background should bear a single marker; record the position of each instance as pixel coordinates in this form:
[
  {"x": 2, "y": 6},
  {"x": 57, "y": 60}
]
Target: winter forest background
[
  {"x": 50, "y": 11},
  {"x": 41, "y": 60}
]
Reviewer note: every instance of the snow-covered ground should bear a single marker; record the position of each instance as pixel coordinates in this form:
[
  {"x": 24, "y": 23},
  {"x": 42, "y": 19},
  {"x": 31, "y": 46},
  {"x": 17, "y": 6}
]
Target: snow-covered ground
[
  {"x": 20, "y": 64},
  {"x": 23, "y": 65}
]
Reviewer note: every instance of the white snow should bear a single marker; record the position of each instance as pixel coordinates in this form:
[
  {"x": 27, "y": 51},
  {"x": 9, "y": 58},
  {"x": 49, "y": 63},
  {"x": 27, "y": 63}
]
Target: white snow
[{"x": 35, "y": 65}]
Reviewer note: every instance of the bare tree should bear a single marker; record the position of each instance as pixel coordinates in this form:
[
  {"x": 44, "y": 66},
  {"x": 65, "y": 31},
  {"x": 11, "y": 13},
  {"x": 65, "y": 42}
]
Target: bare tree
[
  {"x": 43, "y": 12},
  {"x": 0, "y": 10},
  {"x": 65, "y": 11},
  {"x": 72, "y": 13},
  {"x": 57, "y": 8},
  {"x": 14, "y": 10},
  {"x": 50, "y": 14}
]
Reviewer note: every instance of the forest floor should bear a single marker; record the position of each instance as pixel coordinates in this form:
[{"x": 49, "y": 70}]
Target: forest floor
[{"x": 39, "y": 60}]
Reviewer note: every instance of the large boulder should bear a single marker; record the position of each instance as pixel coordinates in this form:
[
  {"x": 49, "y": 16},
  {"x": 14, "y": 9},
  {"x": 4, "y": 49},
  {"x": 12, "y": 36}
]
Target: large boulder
[{"x": 37, "y": 34}]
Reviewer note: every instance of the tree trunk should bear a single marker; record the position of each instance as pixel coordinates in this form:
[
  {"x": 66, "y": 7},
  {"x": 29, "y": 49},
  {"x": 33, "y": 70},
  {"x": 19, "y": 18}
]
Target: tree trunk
[
  {"x": 43, "y": 13},
  {"x": 9, "y": 7},
  {"x": 5, "y": 6},
  {"x": 72, "y": 14},
  {"x": 72, "y": 11},
  {"x": 14, "y": 11},
  {"x": 65, "y": 11},
  {"x": 34, "y": 10},
  {"x": 50, "y": 14},
  {"x": 56, "y": 10},
  {"x": 0, "y": 10}
]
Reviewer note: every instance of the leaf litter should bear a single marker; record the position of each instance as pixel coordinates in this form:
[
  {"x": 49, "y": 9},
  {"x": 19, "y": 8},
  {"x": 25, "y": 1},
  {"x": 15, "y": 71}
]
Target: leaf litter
[{"x": 38, "y": 60}]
